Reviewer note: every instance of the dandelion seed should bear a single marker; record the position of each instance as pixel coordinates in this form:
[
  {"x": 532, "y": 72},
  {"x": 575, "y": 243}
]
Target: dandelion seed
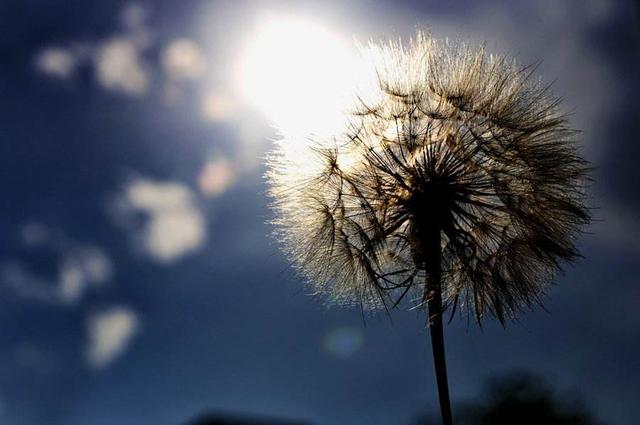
[{"x": 457, "y": 182}]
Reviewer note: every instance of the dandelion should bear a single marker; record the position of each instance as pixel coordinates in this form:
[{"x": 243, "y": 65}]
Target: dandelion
[{"x": 456, "y": 182}]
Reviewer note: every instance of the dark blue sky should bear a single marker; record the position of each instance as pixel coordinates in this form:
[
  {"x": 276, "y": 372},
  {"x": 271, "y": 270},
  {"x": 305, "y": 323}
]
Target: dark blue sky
[{"x": 138, "y": 279}]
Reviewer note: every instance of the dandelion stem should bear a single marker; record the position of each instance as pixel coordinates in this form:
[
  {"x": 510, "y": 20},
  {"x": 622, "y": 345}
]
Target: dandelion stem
[{"x": 434, "y": 305}]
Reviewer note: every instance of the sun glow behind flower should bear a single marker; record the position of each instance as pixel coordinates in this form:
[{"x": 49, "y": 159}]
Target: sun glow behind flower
[{"x": 299, "y": 74}]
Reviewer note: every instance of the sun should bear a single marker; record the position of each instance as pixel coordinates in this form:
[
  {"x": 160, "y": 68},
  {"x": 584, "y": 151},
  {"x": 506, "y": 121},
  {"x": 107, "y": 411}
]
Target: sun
[{"x": 298, "y": 73}]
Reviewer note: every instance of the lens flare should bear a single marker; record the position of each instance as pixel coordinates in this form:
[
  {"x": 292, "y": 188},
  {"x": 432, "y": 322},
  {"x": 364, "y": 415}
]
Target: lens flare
[{"x": 344, "y": 341}]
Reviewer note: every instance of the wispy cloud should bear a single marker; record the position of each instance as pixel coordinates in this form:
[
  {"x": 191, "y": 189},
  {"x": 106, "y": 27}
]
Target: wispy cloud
[
  {"x": 109, "y": 334},
  {"x": 56, "y": 62},
  {"x": 118, "y": 67},
  {"x": 217, "y": 176},
  {"x": 183, "y": 60},
  {"x": 83, "y": 267},
  {"x": 124, "y": 62},
  {"x": 174, "y": 225},
  {"x": 117, "y": 60},
  {"x": 79, "y": 267}
]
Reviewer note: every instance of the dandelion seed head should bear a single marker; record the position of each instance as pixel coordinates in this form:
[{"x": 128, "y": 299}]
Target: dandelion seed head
[{"x": 447, "y": 142}]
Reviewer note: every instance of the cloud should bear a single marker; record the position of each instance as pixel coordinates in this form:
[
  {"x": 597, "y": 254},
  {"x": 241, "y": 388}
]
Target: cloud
[
  {"x": 56, "y": 62},
  {"x": 109, "y": 334},
  {"x": 119, "y": 63},
  {"x": 183, "y": 60},
  {"x": 86, "y": 266},
  {"x": 117, "y": 60},
  {"x": 24, "y": 283},
  {"x": 174, "y": 225},
  {"x": 118, "y": 67},
  {"x": 80, "y": 267},
  {"x": 216, "y": 177}
]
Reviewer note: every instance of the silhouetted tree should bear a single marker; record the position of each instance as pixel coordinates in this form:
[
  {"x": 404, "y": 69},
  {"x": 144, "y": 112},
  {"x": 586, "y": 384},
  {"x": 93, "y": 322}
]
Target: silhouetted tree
[{"x": 520, "y": 399}]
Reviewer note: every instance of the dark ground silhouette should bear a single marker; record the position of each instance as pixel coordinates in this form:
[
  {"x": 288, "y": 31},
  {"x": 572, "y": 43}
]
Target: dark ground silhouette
[
  {"x": 519, "y": 399},
  {"x": 227, "y": 419}
]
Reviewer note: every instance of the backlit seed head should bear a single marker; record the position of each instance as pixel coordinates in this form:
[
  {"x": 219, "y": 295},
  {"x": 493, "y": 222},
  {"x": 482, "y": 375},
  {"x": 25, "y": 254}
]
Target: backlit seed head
[{"x": 451, "y": 142}]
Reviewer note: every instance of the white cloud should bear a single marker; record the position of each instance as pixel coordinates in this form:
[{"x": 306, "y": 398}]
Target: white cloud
[
  {"x": 110, "y": 332},
  {"x": 116, "y": 60},
  {"x": 81, "y": 268},
  {"x": 85, "y": 267},
  {"x": 56, "y": 62},
  {"x": 216, "y": 177},
  {"x": 175, "y": 226},
  {"x": 24, "y": 283},
  {"x": 183, "y": 59},
  {"x": 118, "y": 66}
]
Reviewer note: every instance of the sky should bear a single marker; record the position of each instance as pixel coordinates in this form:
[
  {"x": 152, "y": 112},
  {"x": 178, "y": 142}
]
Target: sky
[{"x": 139, "y": 281}]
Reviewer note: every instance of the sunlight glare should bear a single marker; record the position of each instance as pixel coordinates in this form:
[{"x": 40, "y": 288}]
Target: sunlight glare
[{"x": 298, "y": 73}]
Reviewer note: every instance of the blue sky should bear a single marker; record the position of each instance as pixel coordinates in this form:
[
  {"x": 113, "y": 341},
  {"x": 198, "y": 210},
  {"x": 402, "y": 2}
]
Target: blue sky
[{"x": 139, "y": 282}]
